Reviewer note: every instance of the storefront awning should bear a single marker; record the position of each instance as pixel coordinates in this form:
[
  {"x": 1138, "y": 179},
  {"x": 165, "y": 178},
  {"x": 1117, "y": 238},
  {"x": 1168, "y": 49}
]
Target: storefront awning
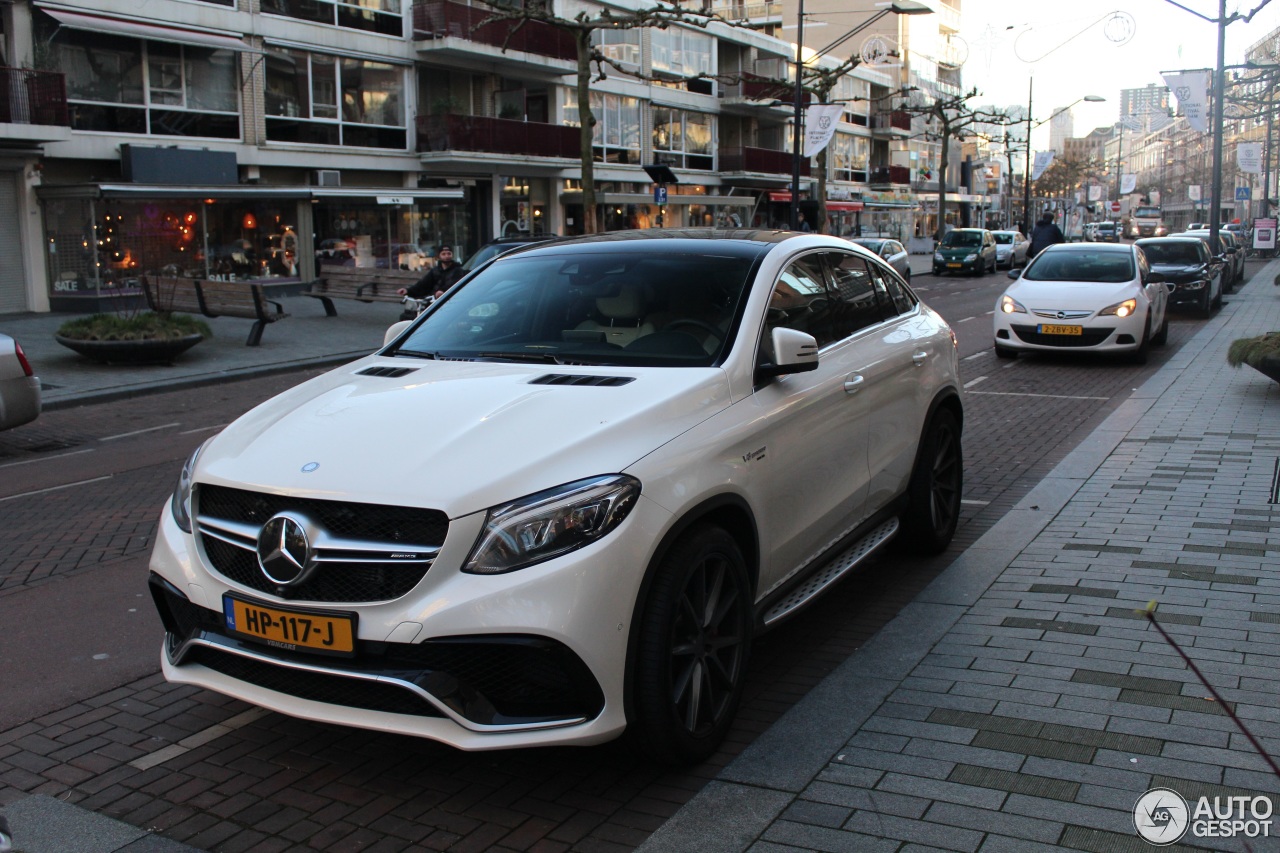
[
  {"x": 575, "y": 197},
  {"x": 845, "y": 205},
  {"x": 382, "y": 195},
  {"x": 152, "y": 32}
]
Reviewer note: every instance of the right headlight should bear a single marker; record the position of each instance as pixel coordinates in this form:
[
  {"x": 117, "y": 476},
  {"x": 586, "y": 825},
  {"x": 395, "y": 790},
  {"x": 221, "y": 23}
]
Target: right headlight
[
  {"x": 180, "y": 503},
  {"x": 546, "y": 525},
  {"x": 1009, "y": 305},
  {"x": 938, "y": 256}
]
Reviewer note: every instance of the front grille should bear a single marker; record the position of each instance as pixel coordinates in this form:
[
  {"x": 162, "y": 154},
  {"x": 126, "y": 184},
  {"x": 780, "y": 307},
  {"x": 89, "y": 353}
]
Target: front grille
[
  {"x": 331, "y": 582},
  {"x": 317, "y": 686},
  {"x": 360, "y": 577},
  {"x": 1090, "y": 337}
]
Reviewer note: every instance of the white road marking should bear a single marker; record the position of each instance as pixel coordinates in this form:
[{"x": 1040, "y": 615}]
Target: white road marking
[
  {"x": 973, "y": 382},
  {"x": 46, "y": 458},
  {"x": 975, "y": 355},
  {"x": 200, "y": 738},
  {"x": 138, "y": 432},
  {"x": 55, "y": 488},
  {"x": 974, "y": 503},
  {"x": 965, "y": 320},
  {"x": 1046, "y": 396}
]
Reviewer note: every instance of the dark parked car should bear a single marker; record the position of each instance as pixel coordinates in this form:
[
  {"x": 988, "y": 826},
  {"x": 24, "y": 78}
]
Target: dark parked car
[
  {"x": 971, "y": 250},
  {"x": 1193, "y": 276},
  {"x": 1107, "y": 232},
  {"x": 500, "y": 246},
  {"x": 1225, "y": 249},
  {"x": 891, "y": 252}
]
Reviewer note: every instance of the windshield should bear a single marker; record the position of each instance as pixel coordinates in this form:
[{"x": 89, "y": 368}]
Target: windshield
[
  {"x": 1106, "y": 226},
  {"x": 962, "y": 239},
  {"x": 1102, "y": 267},
  {"x": 1171, "y": 253},
  {"x": 583, "y": 308},
  {"x": 1003, "y": 238},
  {"x": 1147, "y": 213}
]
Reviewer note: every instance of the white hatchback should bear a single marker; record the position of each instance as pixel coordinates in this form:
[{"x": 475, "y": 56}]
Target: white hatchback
[
  {"x": 562, "y": 501},
  {"x": 1083, "y": 297}
]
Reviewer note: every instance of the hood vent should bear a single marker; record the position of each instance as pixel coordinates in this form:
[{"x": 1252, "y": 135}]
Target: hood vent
[
  {"x": 577, "y": 379},
  {"x": 388, "y": 372}
]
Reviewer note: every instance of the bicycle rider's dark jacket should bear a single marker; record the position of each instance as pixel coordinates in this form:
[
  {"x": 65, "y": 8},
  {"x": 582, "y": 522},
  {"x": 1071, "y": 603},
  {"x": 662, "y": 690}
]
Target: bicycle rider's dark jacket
[
  {"x": 1044, "y": 235},
  {"x": 438, "y": 278}
]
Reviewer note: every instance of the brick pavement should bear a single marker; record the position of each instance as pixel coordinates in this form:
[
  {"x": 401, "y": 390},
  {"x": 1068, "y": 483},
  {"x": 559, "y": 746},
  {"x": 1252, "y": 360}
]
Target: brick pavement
[{"x": 1019, "y": 703}]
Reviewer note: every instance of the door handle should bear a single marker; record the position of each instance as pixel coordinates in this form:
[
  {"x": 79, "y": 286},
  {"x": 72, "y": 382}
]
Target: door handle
[
  {"x": 919, "y": 358},
  {"x": 852, "y": 383}
]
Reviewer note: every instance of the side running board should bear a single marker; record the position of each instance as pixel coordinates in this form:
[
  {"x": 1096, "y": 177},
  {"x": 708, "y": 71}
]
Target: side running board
[{"x": 842, "y": 564}]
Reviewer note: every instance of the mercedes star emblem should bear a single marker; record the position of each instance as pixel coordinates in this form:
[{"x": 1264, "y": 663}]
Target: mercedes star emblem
[{"x": 284, "y": 554}]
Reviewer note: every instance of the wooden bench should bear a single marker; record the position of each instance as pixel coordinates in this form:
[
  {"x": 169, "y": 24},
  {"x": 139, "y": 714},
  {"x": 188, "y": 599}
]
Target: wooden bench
[
  {"x": 214, "y": 299},
  {"x": 363, "y": 284}
]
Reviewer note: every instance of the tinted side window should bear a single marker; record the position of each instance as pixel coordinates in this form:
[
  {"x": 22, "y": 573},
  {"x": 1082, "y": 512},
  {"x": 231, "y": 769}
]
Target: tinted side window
[
  {"x": 856, "y": 303},
  {"x": 894, "y": 296},
  {"x": 801, "y": 301}
]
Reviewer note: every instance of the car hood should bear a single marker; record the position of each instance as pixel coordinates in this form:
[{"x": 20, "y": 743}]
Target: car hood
[
  {"x": 1179, "y": 272},
  {"x": 1070, "y": 295},
  {"x": 959, "y": 251},
  {"x": 455, "y": 436}
]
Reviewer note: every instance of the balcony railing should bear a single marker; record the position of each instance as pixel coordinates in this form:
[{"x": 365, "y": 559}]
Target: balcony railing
[
  {"x": 742, "y": 10},
  {"x": 497, "y": 136},
  {"x": 441, "y": 18},
  {"x": 33, "y": 97},
  {"x": 889, "y": 175},
  {"x": 763, "y": 160},
  {"x": 896, "y": 120}
]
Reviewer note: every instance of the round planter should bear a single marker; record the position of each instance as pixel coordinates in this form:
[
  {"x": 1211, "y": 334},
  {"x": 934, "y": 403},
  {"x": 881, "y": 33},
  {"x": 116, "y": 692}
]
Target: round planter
[
  {"x": 161, "y": 351},
  {"x": 1269, "y": 366}
]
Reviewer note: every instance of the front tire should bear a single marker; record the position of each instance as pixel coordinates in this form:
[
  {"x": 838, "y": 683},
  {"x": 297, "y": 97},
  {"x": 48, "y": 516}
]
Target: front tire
[
  {"x": 693, "y": 647},
  {"x": 1005, "y": 352},
  {"x": 1143, "y": 352},
  {"x": 935, "y": 488},
  {"x": 1162, "y": 337}
]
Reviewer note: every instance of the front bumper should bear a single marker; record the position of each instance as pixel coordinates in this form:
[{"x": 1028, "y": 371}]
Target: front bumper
[
  {"x": 529, "y": 658},
  {"x": 1105, "y": 334},
  {"x": 1189, "y": 294}
]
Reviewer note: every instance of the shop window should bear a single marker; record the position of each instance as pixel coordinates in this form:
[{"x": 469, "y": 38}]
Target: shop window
[
  {"x": 373, "y": 16},
  {"x": 684, "y": 139},
  {"x": 326, "y": 100},
  {"x": 122, "y": 85}
]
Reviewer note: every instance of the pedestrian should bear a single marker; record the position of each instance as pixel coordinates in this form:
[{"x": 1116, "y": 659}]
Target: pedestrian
[
  {"x": 804, "y": 225},
  {"x": 1044, "y": 235},
  {"x": 439, "y": 278}
]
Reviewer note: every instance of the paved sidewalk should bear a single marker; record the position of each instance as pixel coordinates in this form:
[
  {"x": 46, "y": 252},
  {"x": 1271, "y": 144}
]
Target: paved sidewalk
[{"x": 1019, "y": 703}]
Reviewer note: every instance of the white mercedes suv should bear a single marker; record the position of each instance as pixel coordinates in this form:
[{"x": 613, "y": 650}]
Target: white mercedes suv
[{"x": 628, "y": 454}]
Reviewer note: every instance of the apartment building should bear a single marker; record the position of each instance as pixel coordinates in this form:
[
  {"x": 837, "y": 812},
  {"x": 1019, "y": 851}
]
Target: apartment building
[{"x": 264, "y": 139}]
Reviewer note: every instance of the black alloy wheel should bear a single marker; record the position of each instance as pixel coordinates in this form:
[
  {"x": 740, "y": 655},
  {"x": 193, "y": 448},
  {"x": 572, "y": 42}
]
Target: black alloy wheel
[
  {"x": 936, "y": 487},
  {"x": 694, "y": 644}
]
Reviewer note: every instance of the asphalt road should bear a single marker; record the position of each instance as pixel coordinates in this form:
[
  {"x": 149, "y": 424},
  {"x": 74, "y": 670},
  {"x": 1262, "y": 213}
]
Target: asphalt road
[{"x": 80, "y": 492}]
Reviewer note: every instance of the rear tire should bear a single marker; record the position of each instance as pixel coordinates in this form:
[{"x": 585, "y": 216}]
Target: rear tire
[
  {"x": 935, "y": 488},
  {"x": 692, "y": 649}
]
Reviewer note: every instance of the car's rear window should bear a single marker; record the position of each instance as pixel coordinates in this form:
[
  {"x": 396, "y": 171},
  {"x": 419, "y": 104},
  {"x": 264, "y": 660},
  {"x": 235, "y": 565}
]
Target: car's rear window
[
  {"x": 1003, "y": 238},
  {"x": 1102, "y": 267}
]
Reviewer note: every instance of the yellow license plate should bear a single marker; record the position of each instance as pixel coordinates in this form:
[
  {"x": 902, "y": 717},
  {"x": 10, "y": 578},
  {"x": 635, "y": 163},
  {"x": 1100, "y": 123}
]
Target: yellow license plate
[
  {"x": 331, "y": 633},
  {"x": 954, "y": 266},
  {"x": 1046, "y": 329}
]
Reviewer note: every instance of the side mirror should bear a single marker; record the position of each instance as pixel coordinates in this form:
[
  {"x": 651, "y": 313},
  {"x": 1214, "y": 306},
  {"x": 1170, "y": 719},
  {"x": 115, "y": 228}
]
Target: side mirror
[
  {"x": 1014, "y": 273},
  {"x": 1155, "y": 278},
  {"x": 794, "y": 352},
  {"x": 395, "y": 330}
]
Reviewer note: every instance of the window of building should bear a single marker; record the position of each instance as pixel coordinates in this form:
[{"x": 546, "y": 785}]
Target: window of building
[
  {"x": 848, "y": 158},
  {"x": 680, "y": 52},
  {"x": 124, "y": 85},
  {"x": 621, "y": 46},
  {"x": 375, "y": 16},
  {"x": 856, "y": 96},
  {"x": 329, "y": 100},
  {"x": 684, "y": 139},
  {"x": 616, "y": 136}
]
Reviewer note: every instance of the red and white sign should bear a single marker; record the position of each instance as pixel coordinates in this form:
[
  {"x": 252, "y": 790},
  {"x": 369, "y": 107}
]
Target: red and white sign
[{"x": 1115, "y": 207}]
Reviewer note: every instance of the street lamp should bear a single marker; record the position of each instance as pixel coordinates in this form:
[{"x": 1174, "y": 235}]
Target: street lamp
[
  {"x": 1026, "y": 165},
  {"x": 898, "y": 7}
]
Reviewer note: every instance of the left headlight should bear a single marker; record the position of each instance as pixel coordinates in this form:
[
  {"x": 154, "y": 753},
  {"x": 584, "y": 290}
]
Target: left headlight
[
  {"x": 1120, "y": 309},
  {"x": 970, "y": 258},
  {"x": 1009, "y": 305},
  {"x": 548, "y": 524},
  {"x": 181, "y": 500}
]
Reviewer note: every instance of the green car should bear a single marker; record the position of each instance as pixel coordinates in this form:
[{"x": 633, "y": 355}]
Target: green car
[{"x": 971, "y": 250}]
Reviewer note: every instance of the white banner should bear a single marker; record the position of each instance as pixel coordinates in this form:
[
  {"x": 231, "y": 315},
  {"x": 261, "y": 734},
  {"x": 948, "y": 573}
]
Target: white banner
[
  {"x": 1192, "y": 91},
  {"x": 1193, "y": 192},
  {"x": 819, "y": 126},
  {"x": 1249, "y": 157},
  {"x": 1128, "y": 183},
  {"x": 1095, "y": 192},
  {"x": 1041, "y": 164}
]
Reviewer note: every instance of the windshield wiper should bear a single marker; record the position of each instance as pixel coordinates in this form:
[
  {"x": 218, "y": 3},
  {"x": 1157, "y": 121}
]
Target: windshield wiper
[
  {"x": 417, "y": 353},
  {"x": 539, "y": 357}
]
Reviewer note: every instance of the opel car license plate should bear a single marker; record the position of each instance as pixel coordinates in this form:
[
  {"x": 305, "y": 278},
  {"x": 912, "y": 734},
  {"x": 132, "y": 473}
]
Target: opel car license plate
[
  {"x": 954, "y": 266},
  {"x": 1046, "y": 329},
  {"x": 327, "y": 633}
]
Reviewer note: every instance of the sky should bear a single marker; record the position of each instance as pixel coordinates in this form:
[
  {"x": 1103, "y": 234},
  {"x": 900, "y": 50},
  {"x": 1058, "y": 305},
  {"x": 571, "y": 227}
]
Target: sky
[{"x": 1076, "y": 48}]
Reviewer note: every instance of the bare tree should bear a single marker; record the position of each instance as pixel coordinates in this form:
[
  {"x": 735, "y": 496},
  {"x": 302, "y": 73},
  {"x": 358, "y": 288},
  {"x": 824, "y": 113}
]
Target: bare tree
[
  {"x": 592, "y": 64},
  {"x": 950, "y": 118}
]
